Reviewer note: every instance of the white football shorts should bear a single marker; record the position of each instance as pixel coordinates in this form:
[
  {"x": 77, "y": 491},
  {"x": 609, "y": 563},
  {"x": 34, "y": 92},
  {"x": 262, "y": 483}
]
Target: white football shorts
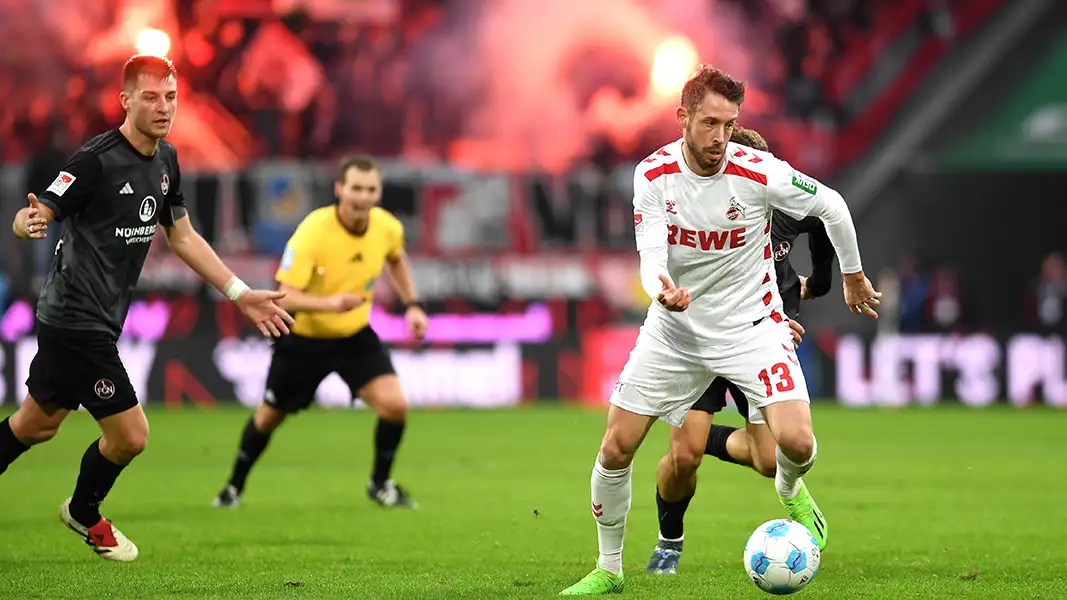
[{"x": 662, "y": 382}]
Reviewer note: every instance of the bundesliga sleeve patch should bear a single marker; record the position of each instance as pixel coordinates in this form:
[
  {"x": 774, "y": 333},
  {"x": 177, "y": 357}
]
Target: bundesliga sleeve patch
[
  {"x": 637, "y": 219},
  {"x": 804, "y": 183},
  {"x": 287, "y": 258},
  {"x": 61, "y": 184}
]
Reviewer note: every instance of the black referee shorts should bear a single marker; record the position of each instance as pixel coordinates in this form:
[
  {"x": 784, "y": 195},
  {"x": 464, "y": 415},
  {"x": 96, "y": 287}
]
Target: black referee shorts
[
  {"x": 75, "y": 368},
  {"x": 299, "y": 364},
  {"x": 713, "y": 399}
]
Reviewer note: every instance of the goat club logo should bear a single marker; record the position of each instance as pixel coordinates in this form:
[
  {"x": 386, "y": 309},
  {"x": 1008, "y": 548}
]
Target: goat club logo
[{"x": 104, "y": 389}]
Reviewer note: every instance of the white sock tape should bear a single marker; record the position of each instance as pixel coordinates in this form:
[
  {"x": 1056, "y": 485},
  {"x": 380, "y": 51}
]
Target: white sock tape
[{"x": 235, "y": 288}]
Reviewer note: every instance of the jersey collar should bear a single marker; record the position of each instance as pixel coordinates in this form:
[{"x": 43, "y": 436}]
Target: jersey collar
[{"x": 129, "y": 146}]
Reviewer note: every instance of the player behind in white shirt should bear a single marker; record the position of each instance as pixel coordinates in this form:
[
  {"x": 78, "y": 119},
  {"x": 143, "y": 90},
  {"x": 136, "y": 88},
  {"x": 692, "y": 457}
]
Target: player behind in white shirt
[{"x": 702, "y": 212}]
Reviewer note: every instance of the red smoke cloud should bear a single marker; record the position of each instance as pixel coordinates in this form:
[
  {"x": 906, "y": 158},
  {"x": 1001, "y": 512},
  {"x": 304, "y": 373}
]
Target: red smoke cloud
[{"x": 541, "y": 81}]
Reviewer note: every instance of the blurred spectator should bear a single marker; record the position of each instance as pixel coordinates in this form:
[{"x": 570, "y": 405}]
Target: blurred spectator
[
  {"x": 48, "y": 159},
  {"x": 1048, "y": 297},
  {"x": 939, "y": 18},
  {"x": 888, "y": 282},
  {"x": 41, "y": 170},
  {"x": 913, "y": 287},
  {"x": 5, "y": 292},
  {"x": 944, "y": 302}
]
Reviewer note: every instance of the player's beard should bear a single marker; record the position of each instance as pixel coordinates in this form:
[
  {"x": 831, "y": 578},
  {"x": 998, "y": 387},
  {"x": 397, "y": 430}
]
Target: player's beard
[{"x": 706, "y": 163}]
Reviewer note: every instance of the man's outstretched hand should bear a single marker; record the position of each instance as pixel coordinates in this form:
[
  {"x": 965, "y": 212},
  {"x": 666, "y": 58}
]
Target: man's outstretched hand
[
  {"x": 860, "y": 295},
  {"x": 261, "y": 307},
  {"x": 29, "y": 223}
]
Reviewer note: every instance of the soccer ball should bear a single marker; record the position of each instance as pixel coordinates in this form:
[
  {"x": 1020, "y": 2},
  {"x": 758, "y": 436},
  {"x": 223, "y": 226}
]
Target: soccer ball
[{"x": 781, "y": 557}]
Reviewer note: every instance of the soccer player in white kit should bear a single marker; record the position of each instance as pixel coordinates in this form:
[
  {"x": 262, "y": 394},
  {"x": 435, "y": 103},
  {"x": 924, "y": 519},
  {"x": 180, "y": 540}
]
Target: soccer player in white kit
[{"x": 702, "y": 213}]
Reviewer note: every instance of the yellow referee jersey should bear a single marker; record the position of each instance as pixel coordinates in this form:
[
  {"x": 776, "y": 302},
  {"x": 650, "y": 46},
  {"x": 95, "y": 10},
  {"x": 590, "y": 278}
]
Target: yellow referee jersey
[{"x": 324, "y": 259}]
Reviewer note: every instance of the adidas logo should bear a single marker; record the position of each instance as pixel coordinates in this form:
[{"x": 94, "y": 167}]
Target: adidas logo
[{"x": 126, "y": 189}]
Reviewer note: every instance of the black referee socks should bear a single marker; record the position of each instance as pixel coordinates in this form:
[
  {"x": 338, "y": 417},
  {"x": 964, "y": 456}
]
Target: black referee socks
[
  {"x": 253, "y": 443},
  {"x": 386, "y": 441}
]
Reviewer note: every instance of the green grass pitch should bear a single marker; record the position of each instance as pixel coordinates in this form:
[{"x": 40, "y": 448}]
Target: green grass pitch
[{"x": 923, "y": 503}]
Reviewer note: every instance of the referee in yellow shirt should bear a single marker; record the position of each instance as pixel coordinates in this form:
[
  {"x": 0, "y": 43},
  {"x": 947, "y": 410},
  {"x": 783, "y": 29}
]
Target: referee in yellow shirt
[{"x": 328, "y": 272}]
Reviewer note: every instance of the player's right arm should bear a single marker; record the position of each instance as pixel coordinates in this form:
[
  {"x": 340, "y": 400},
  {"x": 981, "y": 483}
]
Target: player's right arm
[
  {"x": 650, "y": 229},
  {"x": 294, "y": 276},
  {"x": 68, "y": 195}
]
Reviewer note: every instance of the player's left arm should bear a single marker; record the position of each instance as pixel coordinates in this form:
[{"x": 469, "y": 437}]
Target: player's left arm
[
  {"x": 258, "y": 305},
  {"x": 398, "y": 267},
  {"x": 822, "y": 259},
  {"x": 799, "y": 196}
]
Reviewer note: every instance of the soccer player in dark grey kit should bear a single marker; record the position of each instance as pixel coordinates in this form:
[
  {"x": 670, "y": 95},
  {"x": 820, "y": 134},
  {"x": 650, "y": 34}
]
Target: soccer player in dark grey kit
[{"x": 111, "y": 194}]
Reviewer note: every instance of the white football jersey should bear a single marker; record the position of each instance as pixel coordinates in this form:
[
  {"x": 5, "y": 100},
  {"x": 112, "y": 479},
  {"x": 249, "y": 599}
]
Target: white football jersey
[{"x": 717, "y": 233}]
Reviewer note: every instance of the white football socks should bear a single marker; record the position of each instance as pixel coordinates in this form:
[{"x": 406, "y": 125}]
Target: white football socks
[
  {"x": 787, "y": 479},
  {"x": 611, "y": 502}
]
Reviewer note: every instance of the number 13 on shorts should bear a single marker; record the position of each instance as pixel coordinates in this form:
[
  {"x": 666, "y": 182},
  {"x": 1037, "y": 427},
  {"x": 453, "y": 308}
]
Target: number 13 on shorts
[
  {"x": 767, "y": 371},
  {"x": 782, "y": 380}
]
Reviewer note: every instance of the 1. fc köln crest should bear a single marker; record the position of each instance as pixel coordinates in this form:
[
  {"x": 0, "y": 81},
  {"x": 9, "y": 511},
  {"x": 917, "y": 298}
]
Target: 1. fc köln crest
[
  {"x": 736, "y": 210},
  {"x": 164, "y": 184}
]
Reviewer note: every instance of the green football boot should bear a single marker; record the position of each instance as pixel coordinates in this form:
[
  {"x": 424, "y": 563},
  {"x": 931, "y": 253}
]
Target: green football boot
[
  {"x": 596, "y": 583},
  {"x": 803, "y": 510}
]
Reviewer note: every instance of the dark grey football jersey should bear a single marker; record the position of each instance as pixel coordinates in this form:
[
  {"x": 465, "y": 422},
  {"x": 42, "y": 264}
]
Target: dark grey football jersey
[
  {"x": 110, "y": 198},
  {"x": 784, "y": 233}
]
